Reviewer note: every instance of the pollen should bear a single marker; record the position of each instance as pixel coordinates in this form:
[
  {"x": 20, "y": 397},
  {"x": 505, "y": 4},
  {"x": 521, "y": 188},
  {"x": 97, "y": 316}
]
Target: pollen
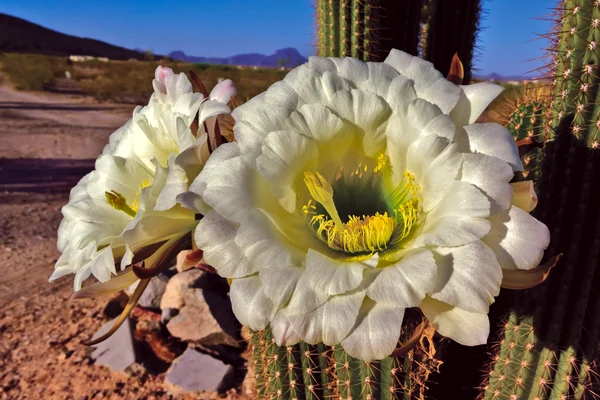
[
  {"x": 119, "y": 202},
  {"x": 355, "y": 232},
  {"x": 366, "y": 234}
]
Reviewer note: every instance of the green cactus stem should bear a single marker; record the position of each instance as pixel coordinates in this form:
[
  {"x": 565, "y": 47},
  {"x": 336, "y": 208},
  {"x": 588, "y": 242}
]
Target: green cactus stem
[
  {"x": 550, "y": 339},
  {"x": 367, "y": 29},
  {"x": 312, "y": 372},
  {"x": 453, "y": 28}
]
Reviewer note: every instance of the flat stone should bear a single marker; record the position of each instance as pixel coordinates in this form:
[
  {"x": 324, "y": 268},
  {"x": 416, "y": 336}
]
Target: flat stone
[
  {"x": 197, "y": 372},
  {"x": 118, "y": 351},
  {"x": 206, "y": 318},
  {"x": 173, "y": 294},
  {"x": 152, "y": 295}
]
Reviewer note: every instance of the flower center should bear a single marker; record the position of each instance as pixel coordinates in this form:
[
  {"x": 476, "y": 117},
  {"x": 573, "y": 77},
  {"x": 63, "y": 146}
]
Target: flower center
[
  {"x": 119, "y": 202},
  {"x": 356, "y": 216}
]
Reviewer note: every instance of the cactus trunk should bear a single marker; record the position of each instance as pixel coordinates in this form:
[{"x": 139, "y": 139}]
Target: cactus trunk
[
  {"x": 453, "y": 29},
  {"x": 551, "y": 337},
  {"x": 368, "y": 29}
]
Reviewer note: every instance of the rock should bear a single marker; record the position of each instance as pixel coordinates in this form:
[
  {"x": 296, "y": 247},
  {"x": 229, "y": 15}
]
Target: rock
[
  {"x": 167, "y": 314},
  {"x": 206, "y": 318},
  {"x": 164, "y": 346},
  {"x": 118, "y": 351},
  {"x": 173, "y": 293},
  {"x": 196, "y": 372},
  {"x": 151, "y": 298}
]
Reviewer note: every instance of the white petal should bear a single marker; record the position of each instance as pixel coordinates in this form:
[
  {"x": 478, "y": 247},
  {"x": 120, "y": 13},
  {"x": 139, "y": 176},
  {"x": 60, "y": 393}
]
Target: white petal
[
  {"x": 285, "y": 155},
  {"x": 279, "y": 282},
  {"x": 176, "y": 184},
  {"x": 229, "y": 186},
  {"x": 469, "y": 277},
  {"x": 435, "y": 164},
  {"x": 250, "y": 304},
  {"x": 215, "y": 235},
  {"x": 223, "y": 91},
  {"x": 332, "y": 276},
  {"x": 263, "y": 244},
  {"x": 458, "y": 219},
  {"x": 491, "y": 175},
  {"x": 367, "y": 111},
  {"x": 429, "y": 83},
  {"x": 462, "y": 199},
  {"x": 494, "y": 140},
  {"x": 211, "y": 108},
  {"x": 103, "y": 264},
  {"x": 466, "y": 328},
  {"x": 473, "y": 101},
  {"x": 317, "y": 122},
  {"x": 376, "y": 332},
  {"x": 406, "y": 282},
  {"x": 452, "y": 231},
  {"x": 518, "y": 239},
  {"x": 330, "y": 323}
]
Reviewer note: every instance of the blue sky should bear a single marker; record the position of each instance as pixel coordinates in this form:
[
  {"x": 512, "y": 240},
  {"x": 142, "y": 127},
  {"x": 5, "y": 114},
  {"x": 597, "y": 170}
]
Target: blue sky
[{"x": 228, "y": 27}]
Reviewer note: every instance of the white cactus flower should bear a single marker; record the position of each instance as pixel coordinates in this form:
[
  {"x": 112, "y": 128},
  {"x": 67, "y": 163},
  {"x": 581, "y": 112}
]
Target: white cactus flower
[
  {"x": 357, "y": 190},
  {"x": 129, "y": 200}
]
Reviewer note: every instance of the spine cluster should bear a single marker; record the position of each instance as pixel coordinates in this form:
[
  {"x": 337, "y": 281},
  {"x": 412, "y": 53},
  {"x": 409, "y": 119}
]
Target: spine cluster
[{"x": 551, "y": 336}]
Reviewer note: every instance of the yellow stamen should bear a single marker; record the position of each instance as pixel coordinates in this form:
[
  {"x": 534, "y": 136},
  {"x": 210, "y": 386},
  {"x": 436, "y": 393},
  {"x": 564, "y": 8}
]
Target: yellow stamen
[
  {"x": 322, "y": 192},
  {"x": 118, "y": 202},
  {"x": 381, "y": 162},
  {"x": 135, "y": 204},
  {"x": 366, "y": 234}
]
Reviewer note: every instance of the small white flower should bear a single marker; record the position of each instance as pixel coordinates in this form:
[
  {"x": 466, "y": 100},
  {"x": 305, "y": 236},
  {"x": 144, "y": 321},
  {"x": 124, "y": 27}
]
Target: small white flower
[
  {"x": 357, "y": 190},
  {"x": 129, "y": 201}
]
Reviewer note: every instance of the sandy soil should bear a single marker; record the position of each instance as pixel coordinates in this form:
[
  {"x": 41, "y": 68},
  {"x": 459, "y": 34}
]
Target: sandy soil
[{"x": 47, "y": 143}]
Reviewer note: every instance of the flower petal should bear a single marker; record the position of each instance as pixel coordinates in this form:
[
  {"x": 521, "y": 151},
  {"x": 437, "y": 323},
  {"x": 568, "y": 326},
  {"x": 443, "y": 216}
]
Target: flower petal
[
  {"x": 518, "y": 239},
  {"x": 466, "y": 328},
  {"x": 429, "y": 83},
  {"x": 223, "y": 91},
  {"x": 524, "y": 195},
  {"x": 494, "y": 140},
  {"x": 330, "y": 323},
  {"x": 250, "y": 304},
  {"x": 491, "y": 175},
  {"x": 469, "y": 277},
  {"x": 332, "y": 276},
  {"x": 279, "y": 282},
  {"x": 215, "y": 235},
  {"x": 473, "y": 101},
  {"x": 406, "y": 282},
  {"x": 376, "y": 332}
]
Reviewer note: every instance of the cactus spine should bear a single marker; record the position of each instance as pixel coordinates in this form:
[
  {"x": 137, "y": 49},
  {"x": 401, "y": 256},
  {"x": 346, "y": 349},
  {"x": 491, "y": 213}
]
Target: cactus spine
[
  {"x": 367, "y": 29},
  {"x": 527, "y": 121},
  {"x": 551, "y": 337},
  {"x": 313, "y": 372},
  {"x": 453, "y": 29}
]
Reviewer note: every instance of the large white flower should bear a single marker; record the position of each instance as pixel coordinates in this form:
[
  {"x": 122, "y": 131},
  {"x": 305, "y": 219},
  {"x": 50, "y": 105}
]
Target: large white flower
[
  {"x": 128, "y": 201},
  {"x": 357, "y": 190}
]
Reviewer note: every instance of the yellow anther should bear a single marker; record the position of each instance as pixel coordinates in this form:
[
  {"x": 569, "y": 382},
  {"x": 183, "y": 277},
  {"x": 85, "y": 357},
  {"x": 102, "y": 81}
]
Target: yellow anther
[
  {"x": 322, "y": 192},
  {"x": 366, "y": 234},
  {"x": 118, "y": 202},
  {"x": 381, "y": 162}
]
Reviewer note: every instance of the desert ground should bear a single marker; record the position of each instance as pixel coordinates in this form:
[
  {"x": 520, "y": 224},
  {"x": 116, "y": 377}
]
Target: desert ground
[{"x": 47, "y": 143}]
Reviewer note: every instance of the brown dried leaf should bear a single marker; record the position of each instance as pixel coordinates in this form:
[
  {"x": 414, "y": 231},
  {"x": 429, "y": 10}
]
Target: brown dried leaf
[{"x": 519, "y": 279}]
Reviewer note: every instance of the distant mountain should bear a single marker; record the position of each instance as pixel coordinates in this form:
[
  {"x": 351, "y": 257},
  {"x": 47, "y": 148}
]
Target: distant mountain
[
  {"x": 20, "y": 36},
  {"x": 497, "y": 77},
  {"x": 288, "y": 57}
]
